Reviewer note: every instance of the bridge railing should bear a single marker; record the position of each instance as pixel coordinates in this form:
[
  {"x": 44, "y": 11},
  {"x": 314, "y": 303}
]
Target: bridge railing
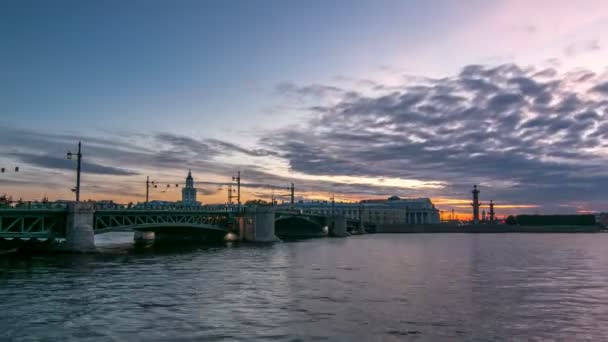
[{"x": 32, "y": 206}]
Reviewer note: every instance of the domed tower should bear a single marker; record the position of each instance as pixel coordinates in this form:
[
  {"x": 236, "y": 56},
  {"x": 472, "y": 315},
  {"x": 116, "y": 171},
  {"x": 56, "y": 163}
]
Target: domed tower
[{"x": 189, "y": 191}]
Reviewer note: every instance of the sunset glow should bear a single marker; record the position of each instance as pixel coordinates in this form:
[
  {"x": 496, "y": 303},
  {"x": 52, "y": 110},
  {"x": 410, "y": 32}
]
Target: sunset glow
[{"x": 370, "y": 114}]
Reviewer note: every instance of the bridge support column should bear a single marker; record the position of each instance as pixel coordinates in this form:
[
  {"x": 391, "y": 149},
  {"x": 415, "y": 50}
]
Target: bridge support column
[
  {"x": 338, "y": 226},
  {"x": 257, "y": 224},
  {"x": 79, "y": 233}
]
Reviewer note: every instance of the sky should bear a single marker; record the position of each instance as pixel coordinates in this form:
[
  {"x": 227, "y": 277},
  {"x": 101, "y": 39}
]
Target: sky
[{"x": 361, "y": 99}]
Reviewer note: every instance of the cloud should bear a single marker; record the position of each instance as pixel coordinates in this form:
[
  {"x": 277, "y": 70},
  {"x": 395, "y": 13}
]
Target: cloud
[
  {"x": 581, "y": 47},
  {"x": 206, "y": 190},
  {"x": 308, "y": 92},
  {"x": 227, "y": 147},
  {"x": 524, "y": 133},
  {"x": 50, "y": 162}
]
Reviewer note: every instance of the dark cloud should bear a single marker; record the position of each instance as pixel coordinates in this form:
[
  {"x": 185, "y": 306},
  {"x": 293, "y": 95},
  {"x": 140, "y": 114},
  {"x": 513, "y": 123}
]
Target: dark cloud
[
  {"x": 50, "y": 162},
  {"x": 313, "y": 91},
  {"x": 523, "y": 133},
  {"x": 601, "y": 88},
  {"x": 206, "y": 190},
  {"x": 228, "y": 147}
]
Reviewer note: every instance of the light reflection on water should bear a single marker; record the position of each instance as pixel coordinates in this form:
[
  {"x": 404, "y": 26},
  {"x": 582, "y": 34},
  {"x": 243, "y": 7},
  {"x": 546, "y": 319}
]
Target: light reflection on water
[{"x": 421, "y": 287}]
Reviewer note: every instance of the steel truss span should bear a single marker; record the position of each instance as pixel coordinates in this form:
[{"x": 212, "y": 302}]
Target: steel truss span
[
  {"x": 28, "y": 224},
  {"x": 120, "y": 220}
]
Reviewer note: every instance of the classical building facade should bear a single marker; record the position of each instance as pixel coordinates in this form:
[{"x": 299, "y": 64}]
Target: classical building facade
[
  {"x": 379, "y": 212},
  {"x": 189, "y": 192}
]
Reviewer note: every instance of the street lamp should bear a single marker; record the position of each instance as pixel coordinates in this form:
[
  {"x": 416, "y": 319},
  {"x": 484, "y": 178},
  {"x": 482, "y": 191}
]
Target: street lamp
[
  {"x": 155, "y": 184},
  {"x": 4, "y": 170},
  {"x": 78, "y": 162}
]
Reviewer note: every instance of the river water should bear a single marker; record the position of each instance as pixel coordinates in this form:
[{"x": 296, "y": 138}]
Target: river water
[{"x": 418, "y": 287}]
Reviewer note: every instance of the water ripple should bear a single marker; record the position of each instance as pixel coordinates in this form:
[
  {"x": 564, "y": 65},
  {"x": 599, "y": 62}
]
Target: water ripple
[{"x": 376, "y": 287}]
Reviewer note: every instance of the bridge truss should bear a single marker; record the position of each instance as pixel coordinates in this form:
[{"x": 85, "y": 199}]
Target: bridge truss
[
  {"x": 117, "y": 220},
  {"x": 28, "y": 223}
]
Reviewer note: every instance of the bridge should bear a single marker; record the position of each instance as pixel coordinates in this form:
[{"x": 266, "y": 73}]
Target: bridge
[
  {"x": 295, "y": 224},
  {"x": 51, "y": 223},
  {"x": 79, "y": 222}
]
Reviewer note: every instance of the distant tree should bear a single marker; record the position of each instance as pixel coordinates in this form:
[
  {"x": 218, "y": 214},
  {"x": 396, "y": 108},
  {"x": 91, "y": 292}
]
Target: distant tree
[
  {"x": 511, "y": 220},
  {"x": 258, "y": 202}
]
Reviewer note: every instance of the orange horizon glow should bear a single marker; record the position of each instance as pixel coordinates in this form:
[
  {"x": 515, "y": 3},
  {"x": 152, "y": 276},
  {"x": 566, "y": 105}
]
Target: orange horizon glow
[{"x": 461, "y": 207}]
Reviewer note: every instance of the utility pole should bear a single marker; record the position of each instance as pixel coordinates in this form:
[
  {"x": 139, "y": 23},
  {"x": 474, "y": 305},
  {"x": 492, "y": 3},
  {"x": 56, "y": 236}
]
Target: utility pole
[
  {"x": 292, "y": 203},
  {"x": 230, "y": 194},
  {"x": 238, "y": 189},
  {"x": 147, "y": 189},
  {"x": 78, "y": 163}
]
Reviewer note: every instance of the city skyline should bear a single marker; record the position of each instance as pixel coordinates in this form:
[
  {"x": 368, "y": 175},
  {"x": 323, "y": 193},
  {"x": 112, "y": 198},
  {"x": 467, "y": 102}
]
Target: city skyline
[{"x": 310, "y": 96}]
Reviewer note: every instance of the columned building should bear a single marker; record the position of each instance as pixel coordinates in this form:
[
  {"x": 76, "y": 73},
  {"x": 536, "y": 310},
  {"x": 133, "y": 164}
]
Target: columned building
[
  {"x": 189, "y": 192},
  {"x": 380, "y": 212}
]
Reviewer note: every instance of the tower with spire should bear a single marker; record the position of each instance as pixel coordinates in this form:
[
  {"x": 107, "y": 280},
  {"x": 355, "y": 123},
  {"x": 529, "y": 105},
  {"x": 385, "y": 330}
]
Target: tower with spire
[{"x": 189, "y": 191}]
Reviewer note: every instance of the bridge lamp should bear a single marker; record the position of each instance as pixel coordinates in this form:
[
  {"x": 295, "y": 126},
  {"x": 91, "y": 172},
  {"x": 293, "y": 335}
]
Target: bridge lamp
[{"x": 3, "y": 169}]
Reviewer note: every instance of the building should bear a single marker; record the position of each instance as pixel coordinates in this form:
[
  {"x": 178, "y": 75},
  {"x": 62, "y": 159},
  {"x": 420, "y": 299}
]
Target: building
[
  {"x": 379, "y": 212},
  {"x": 407, "y": 210},
  {"x": 189, "y": 192}
]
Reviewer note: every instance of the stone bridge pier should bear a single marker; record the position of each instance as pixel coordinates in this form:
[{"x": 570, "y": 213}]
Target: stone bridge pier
[
  {"x": 337, "y": 226},
  {"x": 79, "y": 233},
  {"x": 257, "y": 224}
]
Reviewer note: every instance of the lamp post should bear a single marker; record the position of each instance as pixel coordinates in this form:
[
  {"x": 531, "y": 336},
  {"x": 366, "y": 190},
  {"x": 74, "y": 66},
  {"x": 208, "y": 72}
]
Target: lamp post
[
  {"x": 6, "y": 201},
  {"x": 78, "y": 163},
  {"x": 147, "y": 188},
  {"x": 230, "y": 195},
  {"x": 238, "y": 189},
  {"x": 292, "y": 199}
]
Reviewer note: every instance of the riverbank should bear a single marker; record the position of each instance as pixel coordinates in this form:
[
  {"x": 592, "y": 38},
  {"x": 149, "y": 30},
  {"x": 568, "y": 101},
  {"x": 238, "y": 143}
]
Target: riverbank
[{"x": 485, "y": 228}]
